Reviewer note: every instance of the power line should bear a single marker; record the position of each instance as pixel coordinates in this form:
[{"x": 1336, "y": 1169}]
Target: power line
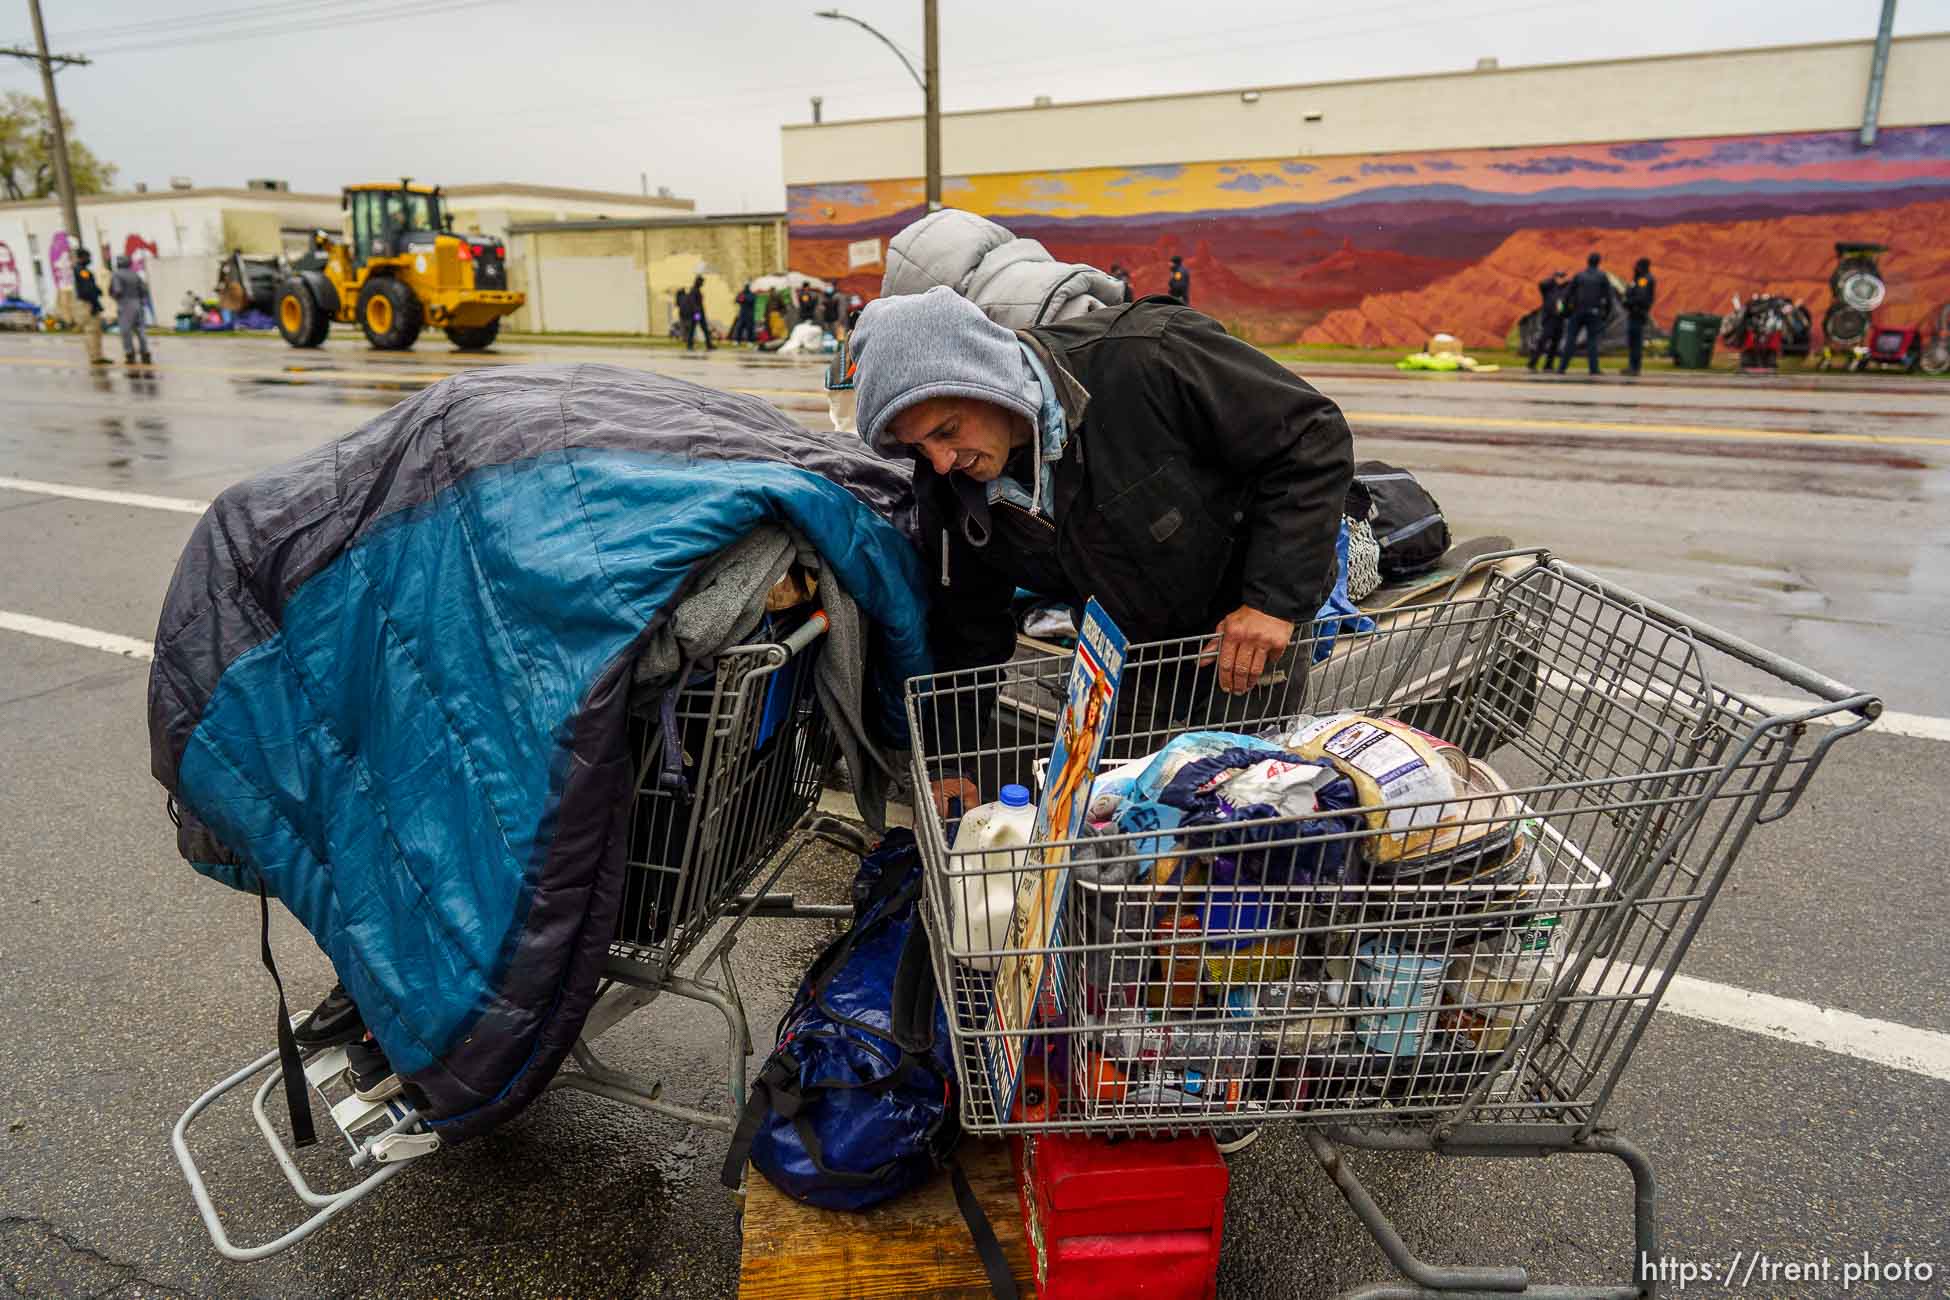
[
  {"x": 284, "y": 19},
  {"x": 336, "y": 20},
  {"x": 183, "y": 22}
]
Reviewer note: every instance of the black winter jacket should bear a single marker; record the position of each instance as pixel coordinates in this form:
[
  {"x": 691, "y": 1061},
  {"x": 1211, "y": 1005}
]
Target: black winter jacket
[
  {"x": 1199, "y": 476},
  {"x": 1590, "y": 291},
  {"x": 87, "y": 288},
  {"x": 1551, "y": 294},
  {"x": 1639, "y": 295}
]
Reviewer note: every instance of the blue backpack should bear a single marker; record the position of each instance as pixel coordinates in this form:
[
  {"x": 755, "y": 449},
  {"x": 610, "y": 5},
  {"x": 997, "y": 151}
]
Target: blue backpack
[{"x": 859, "y": 1101}]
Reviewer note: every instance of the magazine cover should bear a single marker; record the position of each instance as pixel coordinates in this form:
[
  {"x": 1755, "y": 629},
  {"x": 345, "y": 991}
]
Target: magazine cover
[{"x": 1026, "y": 981}]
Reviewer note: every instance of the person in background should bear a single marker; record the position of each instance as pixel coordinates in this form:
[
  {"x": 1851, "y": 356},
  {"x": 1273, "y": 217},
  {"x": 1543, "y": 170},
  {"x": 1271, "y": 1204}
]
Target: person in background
[
  {"x": 778, "y": 316},
  {"x": 854, "y": 302},
  {"x": 88, "y": 291},
  {"x": 831, "y": 313},
  {"x": 1180, "y": 284},
  {"x": 694, "y": 321},
  {"x": 126, "y": 287},
  {"x": 744, "y": 329},
  {"x": 1550, "y": 319},
  {"x": 1123, "y": 277},
  {"x": 1590, "y": 297},
  {"x": 1015, "y": 282},
  {"x": 808, "y": 304},
  {"x": 1638, "y": 309}
]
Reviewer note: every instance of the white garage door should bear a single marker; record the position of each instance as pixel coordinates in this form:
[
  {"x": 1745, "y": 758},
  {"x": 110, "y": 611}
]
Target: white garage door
[{"x": 593, "y": 295}]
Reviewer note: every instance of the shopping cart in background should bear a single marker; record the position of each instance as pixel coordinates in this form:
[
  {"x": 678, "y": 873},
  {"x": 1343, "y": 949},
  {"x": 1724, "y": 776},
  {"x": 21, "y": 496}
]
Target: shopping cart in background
[
  {"x": 729, "y": 769},
  {"x": 1467, "y": 976}
]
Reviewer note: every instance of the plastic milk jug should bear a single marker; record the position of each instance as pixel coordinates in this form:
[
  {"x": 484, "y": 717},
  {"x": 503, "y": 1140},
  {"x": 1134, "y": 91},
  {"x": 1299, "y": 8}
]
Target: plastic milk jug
[{"x": 991, "y": 852}]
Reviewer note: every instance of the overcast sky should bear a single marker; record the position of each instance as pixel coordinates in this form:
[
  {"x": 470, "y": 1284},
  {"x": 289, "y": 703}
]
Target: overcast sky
[{"x": 596, "y": 92}]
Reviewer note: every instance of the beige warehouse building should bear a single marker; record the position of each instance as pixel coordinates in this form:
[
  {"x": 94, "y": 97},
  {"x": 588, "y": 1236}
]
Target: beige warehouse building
[
  {"x": 620, "y": 277},
  {"x": 180, "y": 234}
]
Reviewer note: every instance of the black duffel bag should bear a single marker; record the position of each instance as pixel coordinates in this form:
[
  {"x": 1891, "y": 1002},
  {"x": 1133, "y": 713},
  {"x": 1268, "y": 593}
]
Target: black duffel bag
[{"x": 1408, "y": 524}]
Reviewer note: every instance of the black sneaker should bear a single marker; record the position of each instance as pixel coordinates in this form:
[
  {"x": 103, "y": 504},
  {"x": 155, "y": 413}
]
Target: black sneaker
[
  {"x": 335, "y": 1020},
  {"x": 372, "y": 1076}
]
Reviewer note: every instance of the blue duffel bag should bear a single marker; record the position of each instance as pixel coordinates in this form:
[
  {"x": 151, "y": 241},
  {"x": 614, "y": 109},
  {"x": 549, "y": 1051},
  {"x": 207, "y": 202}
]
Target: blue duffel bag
[{"x": 857, "y": 1103}]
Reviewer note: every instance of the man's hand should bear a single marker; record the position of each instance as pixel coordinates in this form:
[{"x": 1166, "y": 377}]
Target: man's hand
[
  {"x": 1246, "y": 642},
  {"x": 954, "y": 788}
]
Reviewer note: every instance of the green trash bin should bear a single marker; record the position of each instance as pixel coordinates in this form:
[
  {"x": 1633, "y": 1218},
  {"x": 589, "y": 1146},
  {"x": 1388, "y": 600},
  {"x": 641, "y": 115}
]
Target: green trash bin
[{"x": 1693, "y": 336}]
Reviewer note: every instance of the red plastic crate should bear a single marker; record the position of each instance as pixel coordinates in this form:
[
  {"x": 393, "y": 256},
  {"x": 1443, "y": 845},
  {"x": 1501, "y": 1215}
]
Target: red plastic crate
[{"x": 1108, "y": 1218}]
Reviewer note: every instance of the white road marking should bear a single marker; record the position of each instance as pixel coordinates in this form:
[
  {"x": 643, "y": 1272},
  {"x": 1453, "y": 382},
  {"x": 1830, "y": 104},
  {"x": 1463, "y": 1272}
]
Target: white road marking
[
  {"x": 1882, "y": 1042},
  {"x": 180, "y": 505},
  {"x": 112, "y": 642}
]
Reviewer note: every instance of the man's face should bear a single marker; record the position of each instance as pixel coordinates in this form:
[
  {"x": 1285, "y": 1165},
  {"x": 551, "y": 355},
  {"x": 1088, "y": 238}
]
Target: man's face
[{"x": 961, "y": 433}]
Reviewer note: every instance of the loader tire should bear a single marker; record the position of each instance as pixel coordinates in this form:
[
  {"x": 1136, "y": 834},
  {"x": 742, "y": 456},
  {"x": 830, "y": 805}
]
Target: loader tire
[
  {"x": 474, "y": 338},
  {"x": 389, "y": 314},
  {"x": 299, "y": 318}
]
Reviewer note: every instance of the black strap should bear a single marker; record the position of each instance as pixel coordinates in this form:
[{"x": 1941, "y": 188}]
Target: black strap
[
  {"x": 910, "y": 1011},
  {"x": 297, "y": 1097},
  {"x": 769, "y": 1092},
  {"x": 1002, "y": 1279}
]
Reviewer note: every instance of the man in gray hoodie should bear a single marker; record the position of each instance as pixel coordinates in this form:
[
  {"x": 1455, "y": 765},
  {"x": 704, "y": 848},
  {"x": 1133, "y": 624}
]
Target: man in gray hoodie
[{"x": 1138, "y": 454}]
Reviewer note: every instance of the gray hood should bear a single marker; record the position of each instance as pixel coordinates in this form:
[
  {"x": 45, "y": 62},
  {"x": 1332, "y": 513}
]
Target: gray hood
[
  {"x": 912, "y": 347},
  {"x": 1014, "y": 281}
]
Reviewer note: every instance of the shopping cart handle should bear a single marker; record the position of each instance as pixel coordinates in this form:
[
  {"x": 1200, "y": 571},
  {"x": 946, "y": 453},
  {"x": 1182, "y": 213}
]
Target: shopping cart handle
[
  {"x": 806, "y": 633},
  {"x": 1823, "y": 687}
]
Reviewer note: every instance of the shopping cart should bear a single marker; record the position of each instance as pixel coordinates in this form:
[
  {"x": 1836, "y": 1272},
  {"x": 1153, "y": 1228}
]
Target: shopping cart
[
  {"x": 728, "y": 775},
  {"x": 1469, "y": 978}
]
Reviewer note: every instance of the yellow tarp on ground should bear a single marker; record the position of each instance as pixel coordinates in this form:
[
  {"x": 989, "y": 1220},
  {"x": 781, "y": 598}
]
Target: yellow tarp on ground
[{"x": 1443, "y": 361}]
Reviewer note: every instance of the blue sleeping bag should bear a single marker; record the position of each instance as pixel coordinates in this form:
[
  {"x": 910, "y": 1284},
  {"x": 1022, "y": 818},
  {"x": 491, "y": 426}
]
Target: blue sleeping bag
[{"x": 391, "y": 680}]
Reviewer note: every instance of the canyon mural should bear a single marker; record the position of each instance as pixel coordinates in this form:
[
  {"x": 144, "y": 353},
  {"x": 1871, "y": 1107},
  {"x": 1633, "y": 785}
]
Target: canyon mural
[{"x": 1382, "y": 251}]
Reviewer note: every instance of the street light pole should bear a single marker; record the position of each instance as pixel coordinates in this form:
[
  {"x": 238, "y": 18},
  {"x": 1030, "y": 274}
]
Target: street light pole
[
  {"x": 930, "y": 86},
  {"x": 932, "y": 50}
]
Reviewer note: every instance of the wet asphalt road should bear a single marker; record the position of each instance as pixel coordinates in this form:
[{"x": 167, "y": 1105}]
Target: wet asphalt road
[{"x": 1809, "y": 517}]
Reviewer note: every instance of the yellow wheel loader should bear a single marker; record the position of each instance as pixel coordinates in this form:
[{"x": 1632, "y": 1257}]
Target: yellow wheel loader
[{"x": 395, "y": 269}]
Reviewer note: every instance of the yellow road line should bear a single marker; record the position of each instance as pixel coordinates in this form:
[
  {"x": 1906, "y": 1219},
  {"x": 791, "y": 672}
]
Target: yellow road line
[{"x": 1619, "y": 426}]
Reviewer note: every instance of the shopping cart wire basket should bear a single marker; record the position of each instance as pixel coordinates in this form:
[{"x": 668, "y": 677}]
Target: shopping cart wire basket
[{"x": 1467, "y": 973}]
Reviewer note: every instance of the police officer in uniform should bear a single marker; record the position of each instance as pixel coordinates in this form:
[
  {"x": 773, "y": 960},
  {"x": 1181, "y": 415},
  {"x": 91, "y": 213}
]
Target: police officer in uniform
[
  {"x": 1181, "y": 281},
  {"x": 1589, "y": 296},
  {"x": 1550, "y": 319},
  {"x": 89, "y": 291},
  {"x": 1638, "y": 309}
]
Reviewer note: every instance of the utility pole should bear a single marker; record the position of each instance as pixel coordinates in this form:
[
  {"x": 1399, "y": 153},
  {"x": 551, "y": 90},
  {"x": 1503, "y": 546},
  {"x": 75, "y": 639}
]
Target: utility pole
[
  {"x": 63, "y": 178},
  {"x": 932, "y": 53}
]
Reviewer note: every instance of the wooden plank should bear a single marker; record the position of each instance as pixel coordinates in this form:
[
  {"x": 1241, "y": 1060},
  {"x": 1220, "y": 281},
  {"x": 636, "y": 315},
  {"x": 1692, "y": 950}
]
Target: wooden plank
[{"x": 913, "y": 1246}]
